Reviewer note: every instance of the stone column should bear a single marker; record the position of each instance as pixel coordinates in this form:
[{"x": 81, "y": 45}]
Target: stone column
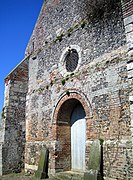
[
  {"x": 2, "y": 125},
  {"x": 127, "y": 9}
]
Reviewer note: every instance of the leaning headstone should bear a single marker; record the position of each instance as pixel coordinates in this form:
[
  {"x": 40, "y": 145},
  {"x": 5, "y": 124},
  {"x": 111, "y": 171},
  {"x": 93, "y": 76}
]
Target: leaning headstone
[
  {"x": 93, "y": 172},
  {"x": 42, "y": 172}
]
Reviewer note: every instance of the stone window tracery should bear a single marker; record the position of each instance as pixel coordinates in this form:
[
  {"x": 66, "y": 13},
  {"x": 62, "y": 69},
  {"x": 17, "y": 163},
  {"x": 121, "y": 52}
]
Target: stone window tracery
[{"x": 71, "y": 60}]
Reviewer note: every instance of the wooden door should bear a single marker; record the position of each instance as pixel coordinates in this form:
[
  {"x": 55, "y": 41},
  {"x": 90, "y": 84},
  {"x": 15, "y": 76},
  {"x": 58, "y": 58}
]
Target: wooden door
[{"x": 78, "y": 138}]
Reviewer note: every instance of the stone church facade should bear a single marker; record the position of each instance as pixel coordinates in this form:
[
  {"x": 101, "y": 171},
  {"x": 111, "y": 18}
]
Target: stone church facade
[{"x": 75, "y": 85}]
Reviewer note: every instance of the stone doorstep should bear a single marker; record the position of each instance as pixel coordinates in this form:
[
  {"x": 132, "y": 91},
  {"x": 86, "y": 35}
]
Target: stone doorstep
[{"x": 67, "y": 175}]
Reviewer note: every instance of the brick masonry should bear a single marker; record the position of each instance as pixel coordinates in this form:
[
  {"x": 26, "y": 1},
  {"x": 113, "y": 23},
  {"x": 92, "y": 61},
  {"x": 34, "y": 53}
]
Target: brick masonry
[{"x": 102, "y": 83}]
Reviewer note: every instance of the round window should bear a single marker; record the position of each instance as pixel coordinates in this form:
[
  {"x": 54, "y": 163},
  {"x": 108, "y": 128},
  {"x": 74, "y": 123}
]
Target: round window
[{"x": 71, "y": 60}]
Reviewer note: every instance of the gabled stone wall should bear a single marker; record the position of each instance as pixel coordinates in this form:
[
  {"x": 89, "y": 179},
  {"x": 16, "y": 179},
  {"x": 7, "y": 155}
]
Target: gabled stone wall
[{"x": 101, "y": 77}]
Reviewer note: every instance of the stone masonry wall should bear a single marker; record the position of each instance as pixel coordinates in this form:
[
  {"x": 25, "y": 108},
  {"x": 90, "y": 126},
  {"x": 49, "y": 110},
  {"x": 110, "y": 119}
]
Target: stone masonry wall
[
  {"x": 13, "y": 148},
  {"x": 110, "y": 114},
  {"x": 127, "y": 8},
  {"x": 13, "y": 145},
  {"x": 101, "y": 77},
  {"x": 128, "y": 22},
  {"x": 2, "y": 132},
  {"x": 60, "y": 18}
]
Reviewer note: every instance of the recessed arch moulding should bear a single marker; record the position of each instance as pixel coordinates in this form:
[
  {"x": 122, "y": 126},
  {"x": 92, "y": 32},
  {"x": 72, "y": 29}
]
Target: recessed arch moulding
[{"x": 62, "y": 128}]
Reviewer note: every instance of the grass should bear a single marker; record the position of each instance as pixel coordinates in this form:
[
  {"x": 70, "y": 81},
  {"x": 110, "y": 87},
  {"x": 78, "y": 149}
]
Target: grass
[{"x": 18, "y": 176}]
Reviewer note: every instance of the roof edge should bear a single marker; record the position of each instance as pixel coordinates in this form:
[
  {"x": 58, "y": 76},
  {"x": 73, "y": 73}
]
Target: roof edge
[{"x": 17, "y": 66}]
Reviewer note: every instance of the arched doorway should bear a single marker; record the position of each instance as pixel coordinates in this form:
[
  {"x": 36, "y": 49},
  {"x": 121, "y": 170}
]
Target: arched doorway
[
  {"x": 70, "y": 127},
  {"x": 78, "y": 138}
]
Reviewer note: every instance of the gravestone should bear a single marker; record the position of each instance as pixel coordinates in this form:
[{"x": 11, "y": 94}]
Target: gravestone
[
  {"x": 42, "y": 172},
  {"x": 93, "y": 172}
]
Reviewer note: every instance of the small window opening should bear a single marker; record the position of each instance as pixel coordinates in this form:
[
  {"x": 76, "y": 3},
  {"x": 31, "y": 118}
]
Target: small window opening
[{"x": 71, "y": 60}]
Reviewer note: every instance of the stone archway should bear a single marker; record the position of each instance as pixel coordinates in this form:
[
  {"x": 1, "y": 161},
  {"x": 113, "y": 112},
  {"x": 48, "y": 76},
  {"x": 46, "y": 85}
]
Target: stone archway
[{"x": 62, "y": 118}]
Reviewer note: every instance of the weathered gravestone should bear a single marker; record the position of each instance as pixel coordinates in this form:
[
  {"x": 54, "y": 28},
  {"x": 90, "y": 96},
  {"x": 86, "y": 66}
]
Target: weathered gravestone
[
  {"x": 42, "y": 172},
  {"x": 93, "y": 172}
]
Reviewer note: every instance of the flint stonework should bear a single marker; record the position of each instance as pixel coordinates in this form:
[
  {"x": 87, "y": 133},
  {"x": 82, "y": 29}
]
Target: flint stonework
[{"x": 42, "y": 92}]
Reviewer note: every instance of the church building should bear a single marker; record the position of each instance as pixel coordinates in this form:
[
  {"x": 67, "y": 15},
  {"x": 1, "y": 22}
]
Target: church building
[{"x": 75, "y": 85}]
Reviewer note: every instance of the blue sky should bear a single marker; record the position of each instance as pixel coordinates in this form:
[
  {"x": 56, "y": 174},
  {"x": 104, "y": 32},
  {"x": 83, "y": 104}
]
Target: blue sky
[{"x": 17, "y": 20}]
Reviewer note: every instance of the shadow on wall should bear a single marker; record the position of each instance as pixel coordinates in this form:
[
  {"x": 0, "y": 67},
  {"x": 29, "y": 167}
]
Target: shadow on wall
[
  {"x": 98, "y": 8},
  {"x": 104, "y": 25}
]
